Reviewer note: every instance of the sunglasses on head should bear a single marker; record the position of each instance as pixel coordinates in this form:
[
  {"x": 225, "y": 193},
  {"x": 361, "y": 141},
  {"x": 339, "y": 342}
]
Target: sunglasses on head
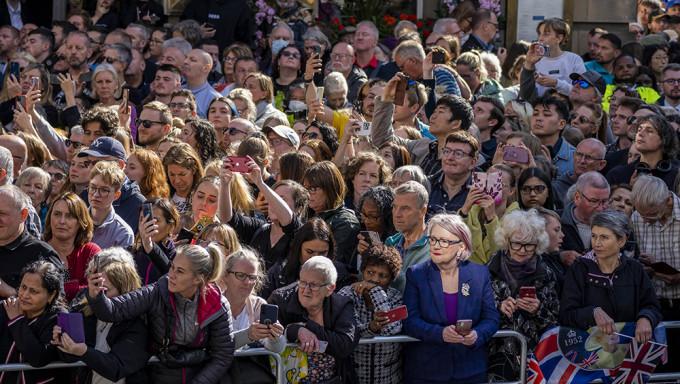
[{"x": 147, "y": 123}]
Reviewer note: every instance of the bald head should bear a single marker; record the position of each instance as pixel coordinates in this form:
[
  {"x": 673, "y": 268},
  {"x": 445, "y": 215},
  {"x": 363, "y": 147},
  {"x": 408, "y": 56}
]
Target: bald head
[
  {"x": 18, "y": 149},
  {"x": 589, "y": 156},
  {"x": 196, "y": 67}
]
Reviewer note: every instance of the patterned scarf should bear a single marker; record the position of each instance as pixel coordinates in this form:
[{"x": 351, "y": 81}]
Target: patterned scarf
[{"x": 514, "y": 272}]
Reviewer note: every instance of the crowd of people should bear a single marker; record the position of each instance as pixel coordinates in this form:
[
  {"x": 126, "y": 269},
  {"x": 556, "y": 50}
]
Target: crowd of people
[{"x": 173, "y": 184}]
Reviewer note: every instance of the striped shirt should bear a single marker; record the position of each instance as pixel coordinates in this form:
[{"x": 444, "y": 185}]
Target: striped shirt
[{"x": 662, "y": 242}]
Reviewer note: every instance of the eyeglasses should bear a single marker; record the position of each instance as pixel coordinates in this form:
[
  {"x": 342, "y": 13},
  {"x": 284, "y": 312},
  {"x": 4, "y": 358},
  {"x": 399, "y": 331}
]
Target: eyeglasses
[
  {"x": 660, "y": 58},
  {"x": 312, "y": 286},
  {"x": 102, "y": 192},
  {"x": 289, "y": 54},
  {"x": 654, "y": 218},
  {"x": 580, "y": 118},
  {"x": 337, "y": 56},
  {"x": 578, "y": 156},
  {"x": 581, "y": 83},
  {"x": 241, "y": 112},
  {"x": 515, "y": 246},
  {"x": 443, "y": 243},
  {"x": 58, "y": 176},
  {"x": 365, "y": 217},
  {"x": 109, "y": 59},
  {"x": 458, "y": 153},
  {"x": 460, "y": 33},
  {"x": 90, "y": 163},
  {"x": 494, "y": 24},
  {"x": 178, "y": 105},
  {"x": 312, "y": 190},
  {"x": 537, "y": 189},
  {"x": 230, "y": 59},
  {"x": 630, "y": 120},
  {"x": 671, "y": 81},
  {"x": 206, "y": 243},
  {"x": 147, "y": 123},
  {"x": 276, "y": 141},
  {"x": 61, "y": 57},
  {"x": 309, "y": 135},
  {"x": 75, "y": 144},
  {"x": 233, "y": 131},
  {"x": 592, "y": 203},
  {"x": 240, "y": 276}
]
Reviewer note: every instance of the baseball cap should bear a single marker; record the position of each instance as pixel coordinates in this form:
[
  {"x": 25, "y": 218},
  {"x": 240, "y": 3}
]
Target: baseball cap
[
  {"x": 593, "y": 78},
  {"x": 671, "y": 3},
  {"x": 658, "y": 13},
  {"x": 285, "y": 132},
  {"x": 104, "y": 147}
]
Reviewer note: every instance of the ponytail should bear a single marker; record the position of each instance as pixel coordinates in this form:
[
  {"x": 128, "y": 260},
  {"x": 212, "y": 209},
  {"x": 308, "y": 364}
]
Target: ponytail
[
  {"x": 206, "y": 263},
  {"x": 217, "y": 261}
]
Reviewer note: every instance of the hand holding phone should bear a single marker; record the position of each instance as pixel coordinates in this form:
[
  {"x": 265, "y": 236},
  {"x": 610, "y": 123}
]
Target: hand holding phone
[
  {"x": 438, "y": 57},
  {"x": 269, "y": 314},
  {"x": 364, "y": 129},
  {"x": 72, "y": 325},
  {"x": 527, "y": 292},
  {"x": 238, "y": 164},
  {"x": 400, "y": 92},
  {"x": 463, "y": 327},
  {"x": 126, "y": 99},
  {"x": 185, "y": 234},
  {"x": 147, "y": 210},
  {"x": 542, "y": 50},
  {"x": 515, "y": 154},
  {"x": 396, "y": 314}
]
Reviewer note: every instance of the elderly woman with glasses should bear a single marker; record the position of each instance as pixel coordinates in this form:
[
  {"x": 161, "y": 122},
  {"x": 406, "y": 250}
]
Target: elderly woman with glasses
[
  {"x": 320, "y": 320},
  {"x": 451, "y": 309},
  {"x": 524, "y": 287},
  {"x": 606, "y": 287}
]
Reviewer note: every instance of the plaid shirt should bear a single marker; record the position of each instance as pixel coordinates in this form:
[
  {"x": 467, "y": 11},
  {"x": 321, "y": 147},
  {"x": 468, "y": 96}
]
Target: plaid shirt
[
  {"x": 376, "y": 363},
  {"x": 663, "y": 243}
]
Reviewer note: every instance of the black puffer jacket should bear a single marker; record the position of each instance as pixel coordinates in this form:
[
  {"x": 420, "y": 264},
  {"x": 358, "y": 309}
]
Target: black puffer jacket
[
  {"x": 154, "y": 300},
  {"x": 627, "y": 296},
  {"x": 339, "y": 327}
]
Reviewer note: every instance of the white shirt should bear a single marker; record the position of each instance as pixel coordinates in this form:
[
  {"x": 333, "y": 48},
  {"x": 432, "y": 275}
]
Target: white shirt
[
  {"x": 241, "y": 321},
  {"x": 15, "y": 16},
  {"x": 560, "y": 68},
  {"x": 665, "y": 104}
]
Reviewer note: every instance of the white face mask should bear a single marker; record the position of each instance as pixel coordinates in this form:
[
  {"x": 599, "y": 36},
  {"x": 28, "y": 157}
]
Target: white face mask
[
  {"x": 278, "y": 45},
  {"x": 295, "y": 106},
  {"x": 285, "y": 4}
]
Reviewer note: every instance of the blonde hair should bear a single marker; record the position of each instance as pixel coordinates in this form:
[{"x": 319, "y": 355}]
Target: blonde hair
[
  {"x": 245, "y": 96},
  {"x": 473, "y": 60},
  {"x": 119, "y": 267},
  {"x": 110, "y": 172},
  {"x": 224, "y": 233},
  {"x": 206, "y": 263}
]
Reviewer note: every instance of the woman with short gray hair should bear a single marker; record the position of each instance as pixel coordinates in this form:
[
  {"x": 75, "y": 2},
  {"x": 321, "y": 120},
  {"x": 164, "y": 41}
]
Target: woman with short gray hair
[
  {"x": 321, "y": 320},
  {"x": 607, "y": 287},
  {"x": 524, "y": 287}
]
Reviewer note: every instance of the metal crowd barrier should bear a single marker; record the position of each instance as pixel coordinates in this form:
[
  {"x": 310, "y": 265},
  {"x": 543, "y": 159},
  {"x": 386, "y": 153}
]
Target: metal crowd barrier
[{"x": 279, "y": 361}]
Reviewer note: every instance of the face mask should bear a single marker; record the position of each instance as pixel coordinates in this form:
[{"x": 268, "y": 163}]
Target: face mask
[
  {"x": 278, "y": 45},
  {"x": 295, "y": 106},
  {"x": 285, "y": 4}
]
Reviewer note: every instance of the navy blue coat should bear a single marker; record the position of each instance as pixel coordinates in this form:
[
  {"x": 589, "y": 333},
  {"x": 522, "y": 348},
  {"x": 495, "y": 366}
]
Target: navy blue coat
[{"x": 432, "y": 358}]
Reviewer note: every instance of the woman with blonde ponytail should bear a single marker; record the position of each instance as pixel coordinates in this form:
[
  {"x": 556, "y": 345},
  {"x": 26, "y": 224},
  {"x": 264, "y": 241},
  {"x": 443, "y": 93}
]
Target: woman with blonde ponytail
[{"x": 188, "y": 318}]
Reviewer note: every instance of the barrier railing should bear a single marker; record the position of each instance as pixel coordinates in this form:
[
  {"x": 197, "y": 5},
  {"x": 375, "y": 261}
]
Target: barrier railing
[{"x": 279, "y": 361}]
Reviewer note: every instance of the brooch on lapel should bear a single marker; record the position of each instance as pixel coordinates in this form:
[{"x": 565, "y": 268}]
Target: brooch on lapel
[{"x": 465, "y": 289}]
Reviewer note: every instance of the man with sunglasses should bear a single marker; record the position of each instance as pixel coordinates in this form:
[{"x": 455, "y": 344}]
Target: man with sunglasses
[
  {"x": 588, "y": 86},
  {"x": 130, "y": 198},
  {"x": 591, "y": 194},
  {"x": 237, "y": 130},
  {"x": 484, "y": 29},
  {"x": 195, "y": 70},
  {"x": 153, "y": 124},
  {"x": 589, "y": 157}
]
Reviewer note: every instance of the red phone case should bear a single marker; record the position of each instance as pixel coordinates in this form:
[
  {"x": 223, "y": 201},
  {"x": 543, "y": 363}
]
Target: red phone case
[
  {"x": 238, "y": 164},
  {"x": 527, "y": 292},
  {"x": 396, "y": 314}
]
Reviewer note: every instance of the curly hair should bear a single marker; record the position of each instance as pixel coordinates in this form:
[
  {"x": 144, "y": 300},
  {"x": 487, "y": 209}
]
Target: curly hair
[
  {"x": 107, "y": 119},
  {"x": 523, "y": 227},
  {"x": 352, "y": 168},
  {"x": 206, "y": 139},
  {"x": 329, "y": 135},
  {"x": 154, "y": 183},
  {"x": 380, "y": 254},
  {"x": 384, "y": 197}
]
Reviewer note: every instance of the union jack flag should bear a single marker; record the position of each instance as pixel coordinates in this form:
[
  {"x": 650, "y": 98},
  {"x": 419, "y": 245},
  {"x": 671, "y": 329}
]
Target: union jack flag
[
  {"x": 640, "y": 362},
  {"x": 534, "y": 373},
  {"x": 571, "y": 355},
  {"x": 592, "y": 359}
]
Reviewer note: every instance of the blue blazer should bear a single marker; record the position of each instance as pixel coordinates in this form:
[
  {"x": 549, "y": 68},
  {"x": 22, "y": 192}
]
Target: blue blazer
[{"x": 432, "y": 358}]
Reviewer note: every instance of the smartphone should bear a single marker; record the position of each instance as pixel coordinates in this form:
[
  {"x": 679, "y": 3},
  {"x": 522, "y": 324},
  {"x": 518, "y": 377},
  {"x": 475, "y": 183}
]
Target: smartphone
[
  {"x": 72, "y": 325},
  {"x": 21, "y": 99},
  {"x": 364, "y": 129},
  {"x": 529, "y": 292},
  {"x": 438, "y": 57},
  {"x": 542, "y": 50},
  {"x": 358, "y": 104},
  {"x": 396, "y": 314},
  {"x": 400, "y": 92},
  {"x": 54, "y": 80},
  {"x": 15, "y": 69},
  {"x": 126, "y": 98},
  {"x": 147, "y": 210},
  {"x": 322, "y": 346},
  {"x": 238, "y": 164},
  {"x": 463, "y": 327},
  {"x": 35, "y": 81},
  {"x": 371, "y": 237},
  {"x": 185, "y": 234},
  {"x": 518, "y": 155},
  {"x": 85, "y": 77},
  {"x": 210, "y": 25},
  {"x": 317, "y": 50},
  {"x": 97, "y": 267},
  {"x": 269, "y": 314},
  {"x": 319, "y": 93}
]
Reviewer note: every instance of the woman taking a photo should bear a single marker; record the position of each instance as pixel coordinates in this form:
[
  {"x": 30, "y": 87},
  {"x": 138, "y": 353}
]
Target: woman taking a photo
[
  {"x": 312, "y": 312},
  {"x": 188, "y": 318},
  {"x": 155, "y": 249},
  {"x": 517, "y": 266},
  {"x": 111, "y": 351},
  {"x": 68, "y": 229},
  {"x": 372, "y": 297},
  {"x": 439, "y": 293}
]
